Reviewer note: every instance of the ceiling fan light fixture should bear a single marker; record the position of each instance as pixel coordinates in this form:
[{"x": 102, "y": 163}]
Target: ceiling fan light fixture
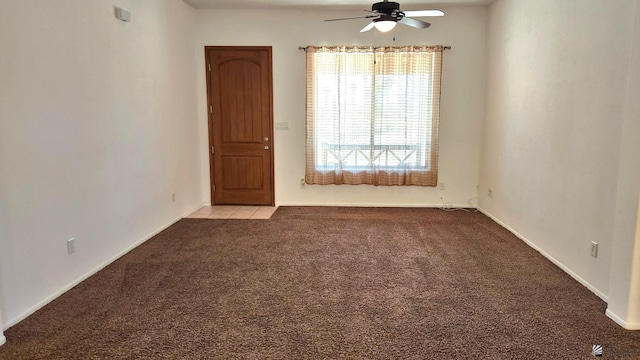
[{"x": 384, "y": 25}]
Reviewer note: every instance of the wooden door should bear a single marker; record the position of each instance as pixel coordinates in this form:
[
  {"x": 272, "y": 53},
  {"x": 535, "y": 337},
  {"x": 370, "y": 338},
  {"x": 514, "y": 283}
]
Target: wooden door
[{"x": 240, "y": 94}]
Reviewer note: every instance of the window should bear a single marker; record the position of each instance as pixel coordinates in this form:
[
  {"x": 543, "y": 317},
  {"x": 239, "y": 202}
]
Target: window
[{"x": 372, "y": 115}]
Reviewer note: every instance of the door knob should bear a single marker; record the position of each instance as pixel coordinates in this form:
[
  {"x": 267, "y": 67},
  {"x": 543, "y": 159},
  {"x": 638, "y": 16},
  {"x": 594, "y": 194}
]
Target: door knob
[
  {"x": 266, "y": 147},
  {"x": 266, "y": 138}
]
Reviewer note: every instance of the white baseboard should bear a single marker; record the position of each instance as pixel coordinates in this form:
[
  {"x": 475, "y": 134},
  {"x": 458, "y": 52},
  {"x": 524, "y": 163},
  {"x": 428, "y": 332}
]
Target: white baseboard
[
  {"x": 69, "y": 286},
  {"x": 582, "y": 281},
  {"x": 619, "y": 321},
  {"x": 2, "y": 340},
  {"x": 420, "y": 205}
]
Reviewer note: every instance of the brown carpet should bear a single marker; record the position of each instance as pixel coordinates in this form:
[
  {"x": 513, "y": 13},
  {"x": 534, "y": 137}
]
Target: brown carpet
[{"x": 327, "y": 283}]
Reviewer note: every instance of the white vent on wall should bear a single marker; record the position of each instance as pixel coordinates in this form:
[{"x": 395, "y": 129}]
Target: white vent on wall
[{"x": 122, "y": 14}]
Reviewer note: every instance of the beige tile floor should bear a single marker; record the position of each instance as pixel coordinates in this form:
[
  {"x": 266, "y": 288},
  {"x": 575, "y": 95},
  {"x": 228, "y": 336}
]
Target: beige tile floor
[{"x": 233, "y": 212}]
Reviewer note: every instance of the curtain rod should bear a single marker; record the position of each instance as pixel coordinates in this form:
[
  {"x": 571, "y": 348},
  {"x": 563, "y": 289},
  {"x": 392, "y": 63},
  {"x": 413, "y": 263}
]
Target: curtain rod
[{"x": 305, "y": 48}]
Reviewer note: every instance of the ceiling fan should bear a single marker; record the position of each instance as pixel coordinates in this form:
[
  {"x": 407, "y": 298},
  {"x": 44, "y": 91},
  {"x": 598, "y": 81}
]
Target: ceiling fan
[{"x": 387, "y": 14}]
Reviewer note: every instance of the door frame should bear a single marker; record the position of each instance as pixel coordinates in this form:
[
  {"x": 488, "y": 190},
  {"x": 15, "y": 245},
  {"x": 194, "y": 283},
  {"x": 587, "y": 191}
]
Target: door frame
[{"x": 207, "y": 65}]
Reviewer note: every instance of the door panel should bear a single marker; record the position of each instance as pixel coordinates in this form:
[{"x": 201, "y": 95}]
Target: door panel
[
  {"x": 244, "y": 98},
  {"x": 241, "y": 124},
  {"x": 245, "y": 172}
]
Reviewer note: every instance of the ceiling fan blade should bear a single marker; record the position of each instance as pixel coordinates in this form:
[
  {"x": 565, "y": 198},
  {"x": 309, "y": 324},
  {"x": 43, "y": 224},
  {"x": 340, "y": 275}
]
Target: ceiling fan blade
[
  {"x": 368, "y": 27},
  {"x": 351, "y": 18},
  {"x": 414, "y": 23},
  {"x": 422, "y": 13}
]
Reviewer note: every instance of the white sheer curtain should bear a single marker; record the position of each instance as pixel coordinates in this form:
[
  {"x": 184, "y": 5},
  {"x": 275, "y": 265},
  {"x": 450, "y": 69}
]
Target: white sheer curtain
[{"x": 372, "y": 115}]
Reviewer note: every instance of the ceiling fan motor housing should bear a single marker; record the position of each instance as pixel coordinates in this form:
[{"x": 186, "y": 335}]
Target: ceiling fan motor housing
[{"x": 389, "y": 8}]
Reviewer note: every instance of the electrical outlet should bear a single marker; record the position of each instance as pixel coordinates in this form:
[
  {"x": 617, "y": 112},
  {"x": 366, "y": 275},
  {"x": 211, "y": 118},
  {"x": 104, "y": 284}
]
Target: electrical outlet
[
  {"x": 71, "y": 246},
  {"x": 490, "y": 192},
  {"x": 302, "y": 183},
  {"x": 594, "y": 249},
  {"x": 173, "y": 197},
  {"x": 442, "y": 187}
]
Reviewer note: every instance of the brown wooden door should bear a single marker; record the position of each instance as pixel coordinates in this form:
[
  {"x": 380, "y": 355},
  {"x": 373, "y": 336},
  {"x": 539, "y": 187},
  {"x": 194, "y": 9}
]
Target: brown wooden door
[{"x": 240, "y": 92}]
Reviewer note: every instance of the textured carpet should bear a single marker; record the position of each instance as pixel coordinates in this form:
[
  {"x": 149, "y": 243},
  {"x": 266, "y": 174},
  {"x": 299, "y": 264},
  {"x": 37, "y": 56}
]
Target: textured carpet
[{"x": 327, "y": 283}]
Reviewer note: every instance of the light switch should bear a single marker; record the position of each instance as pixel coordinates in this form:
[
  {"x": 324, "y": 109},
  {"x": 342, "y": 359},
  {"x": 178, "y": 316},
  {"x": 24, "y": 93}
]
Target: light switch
[{"x": 282, "y": 126}]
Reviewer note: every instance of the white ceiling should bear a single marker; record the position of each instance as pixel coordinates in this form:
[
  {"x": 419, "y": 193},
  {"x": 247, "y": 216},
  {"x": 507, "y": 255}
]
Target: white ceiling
[{"x": 327, "y": 4}]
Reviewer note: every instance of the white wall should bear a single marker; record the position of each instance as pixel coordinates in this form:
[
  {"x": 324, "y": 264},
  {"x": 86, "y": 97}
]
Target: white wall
[
  {"x": 624, "y": 287},
  {"x": 2, "y": 338},
  {"x": 555, "y": 108},
  {"x": 97, "y": 130},
  {"x": 3, "y": 235},
  {"x": 461, "y": 110}
]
